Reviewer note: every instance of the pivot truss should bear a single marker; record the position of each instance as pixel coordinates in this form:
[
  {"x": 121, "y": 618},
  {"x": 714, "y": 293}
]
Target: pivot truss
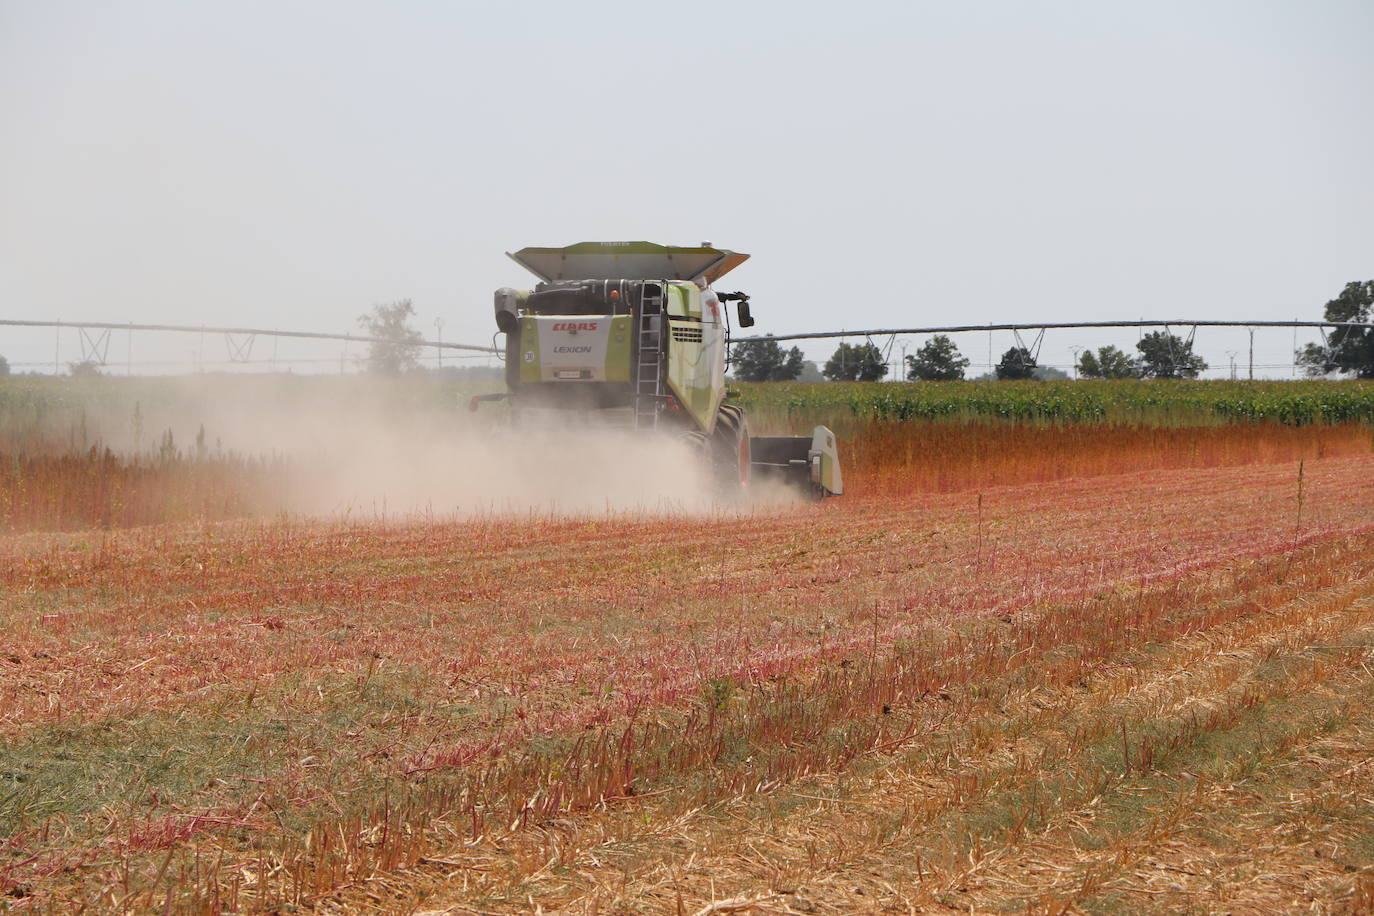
[{"x": 95, "y": 337}]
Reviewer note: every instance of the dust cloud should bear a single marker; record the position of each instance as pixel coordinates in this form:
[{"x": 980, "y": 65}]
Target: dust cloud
[
  {"x": 361, "y": 447},
  {"x": 377, "y": 468}
]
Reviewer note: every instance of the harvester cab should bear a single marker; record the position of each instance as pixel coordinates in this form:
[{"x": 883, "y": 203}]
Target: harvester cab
[{"x": 634, "y": 332}]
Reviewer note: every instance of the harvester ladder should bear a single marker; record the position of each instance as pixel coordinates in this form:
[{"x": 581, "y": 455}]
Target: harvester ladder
[{"x": 649, "y": 362}]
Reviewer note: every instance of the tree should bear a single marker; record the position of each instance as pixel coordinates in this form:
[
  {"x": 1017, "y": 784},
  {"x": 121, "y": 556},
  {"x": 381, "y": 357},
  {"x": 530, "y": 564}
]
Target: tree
[
  {"x": 1107, "y": 362},
  {"x": 87, "y": 368},
  {"x": 938, "y": 360},
  {"x": 4, "y": 366},
  {"x": 1016, "y": 363},
  {"x": 1165, "y": 355},
  {"x": 855, "y": 362},
  {"x": 1314, "y": 360},
  {"x": 765, "y": 361},
  {"x": 399, "y": 346},
  {"x": 1349, "y": 350}
]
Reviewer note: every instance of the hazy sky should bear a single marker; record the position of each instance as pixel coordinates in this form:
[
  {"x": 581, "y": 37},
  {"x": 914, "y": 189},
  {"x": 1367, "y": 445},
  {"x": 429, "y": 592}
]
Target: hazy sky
[{"x": 289, "y": 164}]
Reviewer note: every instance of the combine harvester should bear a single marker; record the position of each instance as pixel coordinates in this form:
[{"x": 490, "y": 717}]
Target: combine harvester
[{"x": 633, "y": 332}]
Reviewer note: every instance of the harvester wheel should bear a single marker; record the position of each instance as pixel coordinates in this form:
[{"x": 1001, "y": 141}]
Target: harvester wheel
[{"x": 729, "y": 450}]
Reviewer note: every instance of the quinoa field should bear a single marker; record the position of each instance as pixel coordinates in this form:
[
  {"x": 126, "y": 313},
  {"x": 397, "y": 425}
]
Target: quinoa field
[{"x": 1110, "y": 656}]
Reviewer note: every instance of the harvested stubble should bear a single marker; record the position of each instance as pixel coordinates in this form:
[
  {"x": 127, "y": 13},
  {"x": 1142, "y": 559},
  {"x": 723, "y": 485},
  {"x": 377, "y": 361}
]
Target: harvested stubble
[
  {"x": 1223, "y": 770},
  {"x": 1217, "y": 763},
  {"x": 230, "y": 716}
]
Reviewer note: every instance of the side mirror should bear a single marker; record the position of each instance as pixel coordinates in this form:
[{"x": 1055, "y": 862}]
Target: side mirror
[
  {"x": 507, "y": 310},
  {"x": 746, "y": 320}
]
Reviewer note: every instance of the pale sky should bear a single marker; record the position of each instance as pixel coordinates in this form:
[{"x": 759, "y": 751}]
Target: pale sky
[{"x": 289, "y": 164}]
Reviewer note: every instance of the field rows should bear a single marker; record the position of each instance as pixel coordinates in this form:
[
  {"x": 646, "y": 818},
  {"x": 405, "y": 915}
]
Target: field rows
[
  {"x": 236, "y": 714},
  {"x": 1226, "y": 768},
  {"x": 224, "y": 607}
]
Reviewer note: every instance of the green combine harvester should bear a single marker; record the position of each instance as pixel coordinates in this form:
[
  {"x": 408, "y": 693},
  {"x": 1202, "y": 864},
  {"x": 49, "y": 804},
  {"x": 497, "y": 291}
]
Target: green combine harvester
[{"x": 632, "y": 333}]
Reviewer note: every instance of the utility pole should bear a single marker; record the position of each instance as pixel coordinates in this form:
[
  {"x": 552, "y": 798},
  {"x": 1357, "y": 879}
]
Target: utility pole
[
  {"x": 439, "y": 338},
  {"x": 1252, "y": 354},
  {"x": 1075, "y": 351}
]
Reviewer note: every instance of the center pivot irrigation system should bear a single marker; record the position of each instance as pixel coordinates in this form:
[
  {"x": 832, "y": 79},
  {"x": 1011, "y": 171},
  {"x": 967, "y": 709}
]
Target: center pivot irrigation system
[{"x": 95, "y": 335}]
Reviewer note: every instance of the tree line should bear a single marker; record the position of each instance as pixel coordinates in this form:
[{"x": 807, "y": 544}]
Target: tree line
[{"x": 1161, "y": 354}]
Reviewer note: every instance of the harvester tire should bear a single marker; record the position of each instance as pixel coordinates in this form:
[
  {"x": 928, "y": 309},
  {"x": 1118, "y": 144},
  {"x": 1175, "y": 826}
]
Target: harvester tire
[{"x": 729, "y": 451}]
